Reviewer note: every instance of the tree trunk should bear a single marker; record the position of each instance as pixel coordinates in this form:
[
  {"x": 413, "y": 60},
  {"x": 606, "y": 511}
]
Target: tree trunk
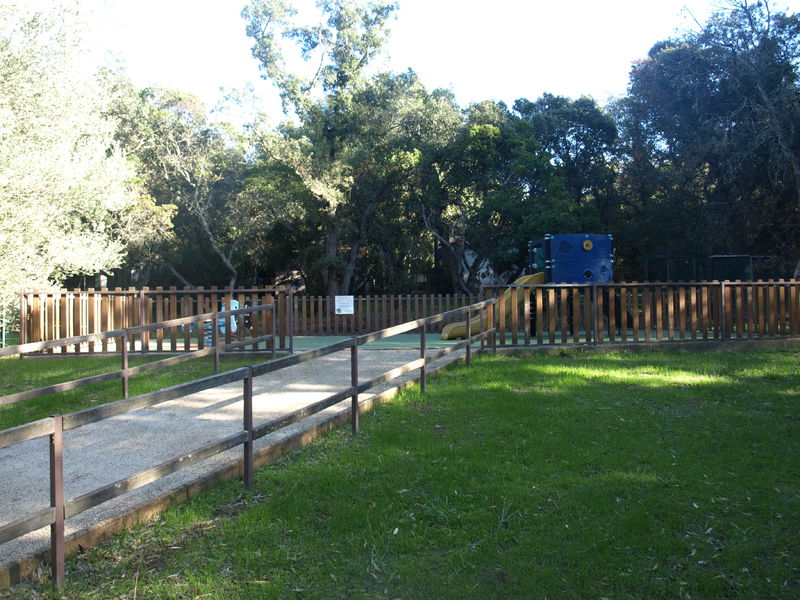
[{"x": 330, "y": 275}]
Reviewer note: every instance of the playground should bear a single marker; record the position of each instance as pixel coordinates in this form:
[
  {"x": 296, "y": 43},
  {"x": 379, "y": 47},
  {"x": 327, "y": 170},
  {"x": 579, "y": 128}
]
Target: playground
[{"x": 107, "y": 471}]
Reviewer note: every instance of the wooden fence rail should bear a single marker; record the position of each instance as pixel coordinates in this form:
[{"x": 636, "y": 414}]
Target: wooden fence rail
[
  {"x": 54, "y": 427},
  {"x": 209, "y": 343}
]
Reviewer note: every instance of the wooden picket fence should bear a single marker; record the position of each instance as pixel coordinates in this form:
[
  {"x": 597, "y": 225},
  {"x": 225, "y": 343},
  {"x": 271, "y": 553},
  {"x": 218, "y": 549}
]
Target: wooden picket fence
[
  {"x": 71, "y": 313},
  {"x": 316, "y": 315},
  {"x": 529, "y": 314},
  {"x": 647, "y": 312}
]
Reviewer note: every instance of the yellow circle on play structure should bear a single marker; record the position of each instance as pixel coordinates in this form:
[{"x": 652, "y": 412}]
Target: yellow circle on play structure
[{"x": 588, "y": 245}]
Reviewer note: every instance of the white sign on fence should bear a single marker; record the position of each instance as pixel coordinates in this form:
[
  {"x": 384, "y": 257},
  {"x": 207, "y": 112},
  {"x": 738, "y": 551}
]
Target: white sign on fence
[{"x": 344, "y": 305}]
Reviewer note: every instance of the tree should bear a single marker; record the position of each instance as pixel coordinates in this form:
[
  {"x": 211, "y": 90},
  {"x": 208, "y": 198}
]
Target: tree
[
  {"x": 488, "y": 192},
  {"x": 581, "y": 138},
  {"x": 69, "y": 199},
  {"x": 197, "y": 167},
  {"x": 330, "y": 146},
  {"x": 719, "y": 109}
]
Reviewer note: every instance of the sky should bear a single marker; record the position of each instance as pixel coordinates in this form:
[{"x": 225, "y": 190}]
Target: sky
[{"x": 480, "y": 49}]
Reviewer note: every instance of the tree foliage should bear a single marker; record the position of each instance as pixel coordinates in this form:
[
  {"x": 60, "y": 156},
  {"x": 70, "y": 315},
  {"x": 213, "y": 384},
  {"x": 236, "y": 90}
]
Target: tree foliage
[{"x": 69, "y": 198}]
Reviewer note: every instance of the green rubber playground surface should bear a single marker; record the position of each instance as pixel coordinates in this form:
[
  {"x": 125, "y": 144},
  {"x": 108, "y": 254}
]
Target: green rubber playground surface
[{"x": 397, "y": 342}]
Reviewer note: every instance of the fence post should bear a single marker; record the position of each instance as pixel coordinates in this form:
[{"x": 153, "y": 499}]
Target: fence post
[
  {"x": 215, "y": 340},
  {"x": 469, "y": 336},
  {"x": 422, "y": 349},
  {"x": 145, "y": 336},
  {"x": 493, "y": 325},
  {"x": 595, "y": 316},
  {"x": 23, "y": 320},
  {"x": 125, "y": 364},
  {"x": 291, "y": 321},
  {"x": 723, "y": 312},
  {"x": 57, "y": 500},
  {"x": 247, "y": 393},
  {"x": 354, "y": 384},
  {"x": 482, "y": 317}
]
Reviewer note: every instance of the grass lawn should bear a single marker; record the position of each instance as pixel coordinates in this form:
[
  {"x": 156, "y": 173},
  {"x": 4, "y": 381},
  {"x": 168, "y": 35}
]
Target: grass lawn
[
  {"x": 665, "y": 475},
  {"x": 20, "y": 375}
]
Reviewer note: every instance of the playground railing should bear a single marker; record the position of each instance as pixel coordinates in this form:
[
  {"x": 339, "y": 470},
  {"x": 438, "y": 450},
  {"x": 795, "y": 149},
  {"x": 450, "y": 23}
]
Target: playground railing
[
  {"x": 55, "y": 427},
  {"x": 50, "y": 315},
  {"x": 646, "y": 312},
  {"x": 208, "y": 343}
]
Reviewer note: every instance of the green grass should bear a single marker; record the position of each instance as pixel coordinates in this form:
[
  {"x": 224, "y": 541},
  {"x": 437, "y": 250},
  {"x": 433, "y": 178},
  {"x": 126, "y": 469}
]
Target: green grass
[
  {"x": 19, "y": 375},
  {"x": 664, "y": 475}
]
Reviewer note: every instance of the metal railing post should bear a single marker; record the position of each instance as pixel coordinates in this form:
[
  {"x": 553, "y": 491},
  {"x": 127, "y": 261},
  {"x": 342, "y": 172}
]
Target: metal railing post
[
  {"x": 354, "y": 384},
  {"x": 57, "y": 500},
  {"x": 247, "y": 393},
  {"x": 125, "y": 364}
]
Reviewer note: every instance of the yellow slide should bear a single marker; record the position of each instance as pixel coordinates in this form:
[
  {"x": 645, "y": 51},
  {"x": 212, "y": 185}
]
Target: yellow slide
[{"x": 456, "y": 331}]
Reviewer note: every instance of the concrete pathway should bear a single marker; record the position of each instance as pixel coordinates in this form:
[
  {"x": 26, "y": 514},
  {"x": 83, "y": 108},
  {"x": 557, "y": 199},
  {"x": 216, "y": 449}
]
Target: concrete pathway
[{"x": 102, "y": 453}]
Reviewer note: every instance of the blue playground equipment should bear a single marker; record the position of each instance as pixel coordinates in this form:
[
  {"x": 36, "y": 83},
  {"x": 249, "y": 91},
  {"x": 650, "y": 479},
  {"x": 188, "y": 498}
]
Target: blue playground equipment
[{"x": 573, "y": 257}]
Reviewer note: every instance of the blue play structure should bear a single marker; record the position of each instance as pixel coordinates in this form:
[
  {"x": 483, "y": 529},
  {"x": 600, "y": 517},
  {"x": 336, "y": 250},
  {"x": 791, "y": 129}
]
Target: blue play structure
[{"x": 573, "y": 257}]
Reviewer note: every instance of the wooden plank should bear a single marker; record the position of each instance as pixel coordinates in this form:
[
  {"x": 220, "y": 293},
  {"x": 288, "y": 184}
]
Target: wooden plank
[
  {"x": 612, "y": 316},
  {"x": 28, "y": 431},
  {"x": 158, "y": 299},
  {"x": 58, "y": 387},
  {"x": 123, "y": 486},
  {"x": 539, "y": 303},
  {"x": 671, "y": 321},
  {"x": 127, "y": 405},
  {"x": 91, "y": 316},
  {"x": 794, "y": 302},
  {"x": 514, "y": 316},
  {"x": 172, "y": 298},
  {"x": 647, "y": 309},
  {"x": 63, "y": 318},
  {"x": 635, "y": 314},
  {"x": 658, "y": 311},
  {"x": 623, "y": 313},
  {"x": 740, "y": 306},
  {"x": 762, "y": 309},
  {"x": 588, "y": 310},
  {"x": 15, "y": 529},
  {"x": 502, "y": 321},
  {"x": 77, "y": 317},
  {"x": 601, "y": 315},
  {"x": 783, "y": 323},
  {"x": 526, "y": 314},
  {"x": 772, "y": 308},
  {"x": 728, "y": 301},
  {"x": 681, "y": 310},
  {"x": 551, "y": 315},
  {"x": 704, "y": 310},
  {"x": 575, "y": 292},
  {"x": 563, "y": 307},
  {"x": 283, "y": 317}
]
